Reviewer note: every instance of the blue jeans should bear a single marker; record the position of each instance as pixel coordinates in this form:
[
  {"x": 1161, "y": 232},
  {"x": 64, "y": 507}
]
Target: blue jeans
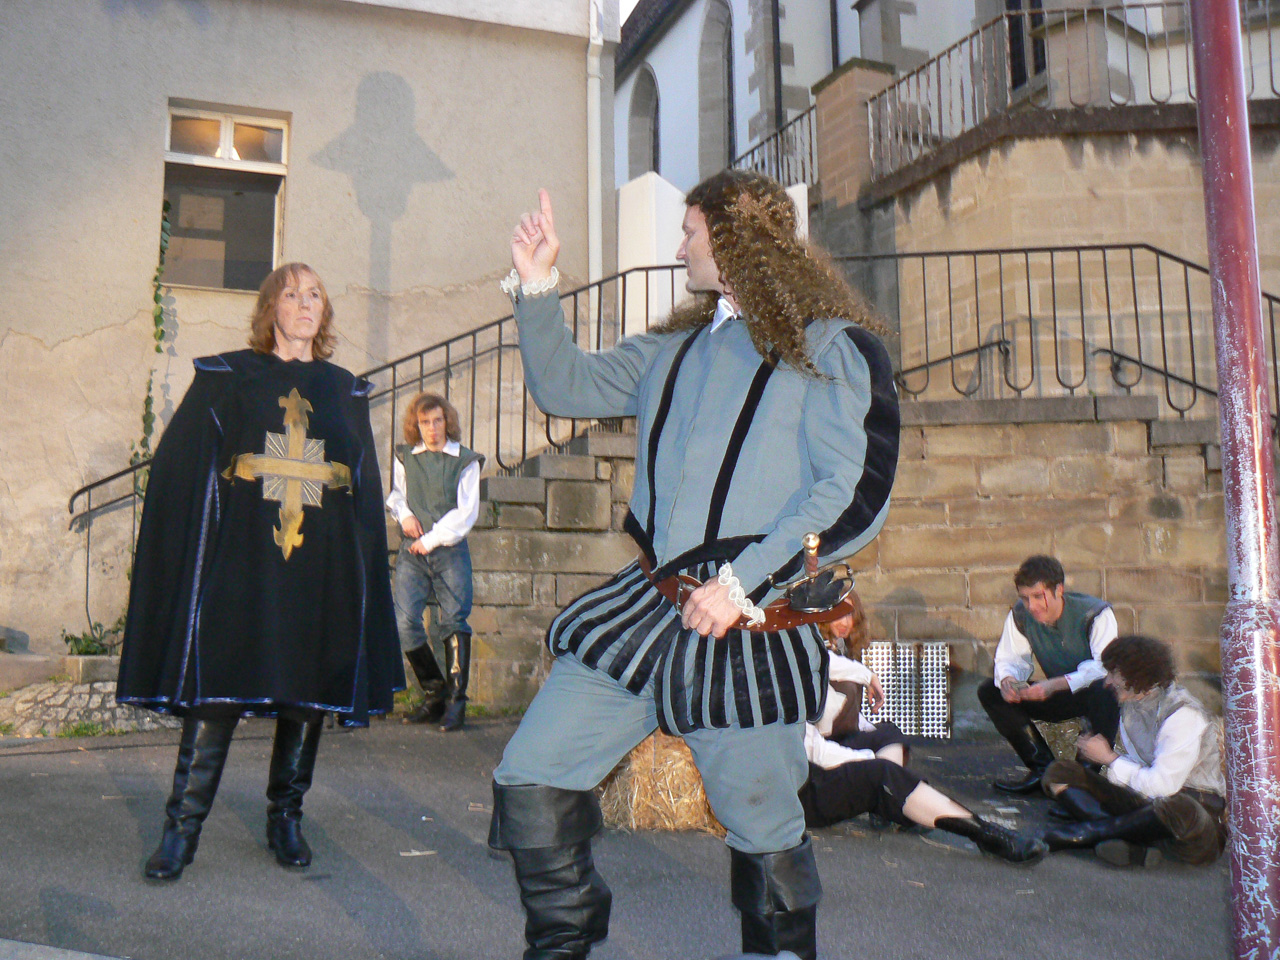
[{"x": 442, "y": 578}]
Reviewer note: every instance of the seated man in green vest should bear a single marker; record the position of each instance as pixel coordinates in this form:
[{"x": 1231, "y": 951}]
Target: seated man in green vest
[
  {"x": 1065, "y": 633},
  {"x": 435, "y": 497}
]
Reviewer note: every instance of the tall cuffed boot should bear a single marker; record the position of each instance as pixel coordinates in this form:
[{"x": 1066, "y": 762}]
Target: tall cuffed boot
[
  {"x": 1032, "y": 750},
  {"x": 548, "y": 833},
  {"x": 777, "y": 895},
  {"x": 202, "y": 753},
  {"x": 1125, "y": 840},
  {"x": 293, "y": 761},
  {"x": 425, "y": 668},
  {"x": 457, "y": 662},
  {"x": 994, "y": 839},
  {"x": 1080, "y": 804}
]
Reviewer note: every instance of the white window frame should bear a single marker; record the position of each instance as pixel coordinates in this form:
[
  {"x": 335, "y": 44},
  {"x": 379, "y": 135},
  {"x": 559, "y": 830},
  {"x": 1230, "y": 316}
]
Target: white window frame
[{"x": 224, "y": 160}]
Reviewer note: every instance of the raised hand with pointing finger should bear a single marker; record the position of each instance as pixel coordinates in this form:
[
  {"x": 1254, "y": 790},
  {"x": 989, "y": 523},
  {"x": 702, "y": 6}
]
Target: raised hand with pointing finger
[{"x": 534, "y": 244}]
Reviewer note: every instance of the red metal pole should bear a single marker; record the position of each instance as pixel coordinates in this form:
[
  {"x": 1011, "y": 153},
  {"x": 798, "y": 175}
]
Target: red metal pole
[{"x": 1251, "y": 627}]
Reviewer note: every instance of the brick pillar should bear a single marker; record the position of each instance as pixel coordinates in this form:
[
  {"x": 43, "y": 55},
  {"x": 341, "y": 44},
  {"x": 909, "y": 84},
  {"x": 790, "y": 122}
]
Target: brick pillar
[{"x": 844, "y": 141}]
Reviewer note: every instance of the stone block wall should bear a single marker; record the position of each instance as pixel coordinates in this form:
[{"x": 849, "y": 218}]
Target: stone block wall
[
  {"x": 543, "y": 538},
  {"x": 1131, "y": 504}
]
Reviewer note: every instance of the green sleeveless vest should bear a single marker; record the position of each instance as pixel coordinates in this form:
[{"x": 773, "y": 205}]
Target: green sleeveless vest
[
  {"x": 1064, "y": 646},
  {"x": 431, "y": 481}
]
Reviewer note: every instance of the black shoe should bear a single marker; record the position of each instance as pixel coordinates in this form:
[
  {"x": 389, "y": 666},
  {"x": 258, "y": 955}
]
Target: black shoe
[
  {"x": 202, "y": 753},
  {"x": 454, "y": 716},
  {"x": 431, "y": 709},
  {"x": 996, "y": 840},
  {"x": 777, "y": 895},
  {"x": 293, "y": 762},
  {"x": 1060, "y": 814},
  {"x": 548, "y": 833},
  {"x": 1021, "y": 786}
]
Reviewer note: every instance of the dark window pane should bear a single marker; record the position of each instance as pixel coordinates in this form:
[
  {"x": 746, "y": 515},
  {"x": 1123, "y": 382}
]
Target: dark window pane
[
  {"x": 195, "y": 136},
  {"x": 264, "y": 144},
  {"x": 222, "y": 226}
]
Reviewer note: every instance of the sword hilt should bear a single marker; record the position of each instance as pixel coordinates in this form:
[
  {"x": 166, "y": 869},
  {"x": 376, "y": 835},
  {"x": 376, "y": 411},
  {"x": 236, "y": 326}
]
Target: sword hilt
[{"x": 811, "y": 543}]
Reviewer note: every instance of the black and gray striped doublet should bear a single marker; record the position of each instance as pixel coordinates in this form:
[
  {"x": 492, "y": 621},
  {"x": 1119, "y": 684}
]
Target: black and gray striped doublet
[{"x": 745, "y": 679}]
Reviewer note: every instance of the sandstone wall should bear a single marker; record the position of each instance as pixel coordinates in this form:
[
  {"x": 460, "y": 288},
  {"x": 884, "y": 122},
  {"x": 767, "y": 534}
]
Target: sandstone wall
[{"x": 407, "y": 224}]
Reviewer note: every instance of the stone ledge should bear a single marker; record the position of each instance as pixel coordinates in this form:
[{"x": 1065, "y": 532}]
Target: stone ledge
[
  {"x": 612, "y": 445},
  {"x": 551, "y": 466},
  {"x": 1183, "y": 433},
  {"x": 514, "y": 489},
  {"x": 44, "y": 709},
  {"x": 91, "y": 669},
  {"x": 932, "y": 413},
  {"x": 1127, "y": 408}
]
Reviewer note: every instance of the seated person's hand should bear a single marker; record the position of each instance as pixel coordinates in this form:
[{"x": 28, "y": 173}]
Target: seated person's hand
[
  {"x": 875, "y": 693},
  {"x": 1012, "y": 690},
  {"x": 1035, "y": 691},
  {"x": 1095, "y": 748}
]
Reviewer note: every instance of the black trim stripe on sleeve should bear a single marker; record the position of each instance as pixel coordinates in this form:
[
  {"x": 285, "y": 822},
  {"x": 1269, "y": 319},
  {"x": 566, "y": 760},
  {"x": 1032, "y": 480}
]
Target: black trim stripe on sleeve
[
  {"x": 746, "y": 416},
  {"x": 655, "y": 431},
  {"x": 881, "y": 425}
]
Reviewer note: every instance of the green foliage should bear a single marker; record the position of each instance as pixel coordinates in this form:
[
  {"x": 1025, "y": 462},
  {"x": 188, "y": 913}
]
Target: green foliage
[
  {"x": 6, "y": 729},
  {"x": 96, "y": 641},
  {"x": 83, "y": 728},
  {"x": 142, "y": 449}
]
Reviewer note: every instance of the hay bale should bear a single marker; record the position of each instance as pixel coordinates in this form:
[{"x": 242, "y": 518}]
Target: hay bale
[{"x": 657, "y": 787}]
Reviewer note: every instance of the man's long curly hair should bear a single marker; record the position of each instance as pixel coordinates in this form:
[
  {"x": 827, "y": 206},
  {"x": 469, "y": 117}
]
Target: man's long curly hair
[{"x": 778, "y": 280}]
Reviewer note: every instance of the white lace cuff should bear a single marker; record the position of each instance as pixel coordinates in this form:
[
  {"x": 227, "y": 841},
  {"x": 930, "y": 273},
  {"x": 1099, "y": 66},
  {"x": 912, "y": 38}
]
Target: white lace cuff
[
  {"x": 739, "y": 596},
  {"x": 536, "y": 288}
]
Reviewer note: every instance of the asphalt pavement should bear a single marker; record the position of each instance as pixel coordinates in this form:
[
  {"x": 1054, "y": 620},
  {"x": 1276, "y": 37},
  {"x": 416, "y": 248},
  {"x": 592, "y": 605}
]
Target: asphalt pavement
[{"x": 398, "y": 818}]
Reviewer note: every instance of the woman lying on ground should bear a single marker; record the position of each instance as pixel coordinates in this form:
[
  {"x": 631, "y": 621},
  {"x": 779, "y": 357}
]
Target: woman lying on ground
[{"x": 858, "y": 767}]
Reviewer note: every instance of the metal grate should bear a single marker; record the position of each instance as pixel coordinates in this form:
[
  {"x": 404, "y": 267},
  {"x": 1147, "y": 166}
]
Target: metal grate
[{"x": 916, "y": 681}]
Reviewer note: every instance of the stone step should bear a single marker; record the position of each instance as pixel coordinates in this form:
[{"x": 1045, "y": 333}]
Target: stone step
[
  {"x": 560, "y": 466},
  {"x": 611, "y": 445},
  {"x": 21, "y": 669},
  {"x": 514, "y": 489}
]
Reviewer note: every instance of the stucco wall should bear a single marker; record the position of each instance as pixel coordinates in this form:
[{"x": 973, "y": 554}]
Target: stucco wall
[{"x": 412, "y": 151}]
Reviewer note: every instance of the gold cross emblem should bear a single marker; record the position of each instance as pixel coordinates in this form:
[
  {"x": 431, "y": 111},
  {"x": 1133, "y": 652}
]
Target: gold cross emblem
[{"x": 293, "y": 471}]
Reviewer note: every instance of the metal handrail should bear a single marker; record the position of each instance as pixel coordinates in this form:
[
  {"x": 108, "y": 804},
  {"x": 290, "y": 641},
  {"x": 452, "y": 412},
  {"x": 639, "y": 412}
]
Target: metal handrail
[
  {"x": 789, "y": 155},
  {"x": 1097, "y": 57}
]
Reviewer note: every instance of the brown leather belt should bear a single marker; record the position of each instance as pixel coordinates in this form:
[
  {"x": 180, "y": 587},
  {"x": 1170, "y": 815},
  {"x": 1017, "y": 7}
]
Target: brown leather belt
[{"x": 777, "y": 616}]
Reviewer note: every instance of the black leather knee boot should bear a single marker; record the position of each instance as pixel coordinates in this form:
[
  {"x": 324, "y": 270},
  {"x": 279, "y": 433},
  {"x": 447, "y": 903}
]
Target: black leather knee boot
[
  {"x": 293, "y": 761},
  {"x": 777, "y": 895},
  {"x": 1033, "y": 751},
  {"x": 1135, "y": 833},
  {"x": 425, "y": 668},
  {"x": 202, "y": 753},
  {"x": 548, "y": 833},
  {"x": 457, "y": 659}
]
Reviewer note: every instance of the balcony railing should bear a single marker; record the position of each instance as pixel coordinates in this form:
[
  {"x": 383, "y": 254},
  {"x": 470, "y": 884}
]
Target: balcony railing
[
  {"x": 789, "y": 156},
  {"x": 1094, "y": 320},
  {"x": 1097, "y": 57}
]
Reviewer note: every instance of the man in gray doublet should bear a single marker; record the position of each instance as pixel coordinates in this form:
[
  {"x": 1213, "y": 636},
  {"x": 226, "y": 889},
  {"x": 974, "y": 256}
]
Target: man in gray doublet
[{"x": 739, "y": 455}]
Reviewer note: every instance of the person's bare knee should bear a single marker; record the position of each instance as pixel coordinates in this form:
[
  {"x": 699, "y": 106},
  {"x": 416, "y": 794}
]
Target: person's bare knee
[{"x": 894, "y": 753}]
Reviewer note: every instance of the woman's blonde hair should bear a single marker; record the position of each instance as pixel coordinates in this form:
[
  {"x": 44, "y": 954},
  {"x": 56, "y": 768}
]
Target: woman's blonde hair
[
  {"x": 262, "y": 325},
  {"x": 423, "y": 403},
  {"x": 859, "y": 637}
]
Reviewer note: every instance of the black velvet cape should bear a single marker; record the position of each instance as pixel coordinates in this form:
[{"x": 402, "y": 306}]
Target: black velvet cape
[{"x": 217, "y": 614}]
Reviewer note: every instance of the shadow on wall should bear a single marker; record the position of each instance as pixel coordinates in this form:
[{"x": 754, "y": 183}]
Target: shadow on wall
[
  {"x": 197, "y": 10},
  {"x": 385, "y": 158}
]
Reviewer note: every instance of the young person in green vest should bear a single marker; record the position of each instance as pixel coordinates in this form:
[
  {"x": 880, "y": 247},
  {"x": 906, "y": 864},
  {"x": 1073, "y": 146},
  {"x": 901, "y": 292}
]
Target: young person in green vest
[
  {"x": 435, "y": 497},
  {"x": 1164, "y": 789},
  {"x": 1065, "y": 633}
]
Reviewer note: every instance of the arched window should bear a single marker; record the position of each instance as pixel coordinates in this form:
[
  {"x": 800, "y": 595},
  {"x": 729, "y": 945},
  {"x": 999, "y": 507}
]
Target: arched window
[
  {"x": 716, "y": 140},
  {"x": 642, "y": 131}
]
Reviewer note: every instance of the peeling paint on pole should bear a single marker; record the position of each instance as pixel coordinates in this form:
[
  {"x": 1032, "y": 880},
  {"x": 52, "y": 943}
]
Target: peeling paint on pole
[{"x": 1251, "y": 627}]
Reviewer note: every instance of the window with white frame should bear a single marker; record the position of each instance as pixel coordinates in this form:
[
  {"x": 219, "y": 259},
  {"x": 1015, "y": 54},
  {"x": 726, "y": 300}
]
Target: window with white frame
[{"x": 223, "y": 178}]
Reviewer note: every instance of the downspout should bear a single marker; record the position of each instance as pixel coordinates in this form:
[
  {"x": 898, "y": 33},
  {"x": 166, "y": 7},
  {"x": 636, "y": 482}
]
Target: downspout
[
  {"x": 1251, "y": 626},
  {"x": 835, "y": 34},
  {"x": 777, "y": 65},
  {"x": 595, "y": 187}
]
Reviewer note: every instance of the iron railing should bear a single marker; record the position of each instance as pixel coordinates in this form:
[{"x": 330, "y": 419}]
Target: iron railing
[
  {"x": 1127, "y": 319},
  {"x": 988, "y": 323},
  {"x": 478, "y": 371},
  {"x": 789, "y": 156},
  {"x": 1120, "y": 54}
]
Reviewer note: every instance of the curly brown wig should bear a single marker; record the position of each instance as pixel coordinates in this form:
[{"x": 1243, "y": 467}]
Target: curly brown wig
[
  {"x": 778, "y": 280},
  {"x": 423, "y": 403},
  {"x": 262, "y": 325},
  {"x": 1040, "y": 569},
  {"x": 1142, "y": 662}
]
